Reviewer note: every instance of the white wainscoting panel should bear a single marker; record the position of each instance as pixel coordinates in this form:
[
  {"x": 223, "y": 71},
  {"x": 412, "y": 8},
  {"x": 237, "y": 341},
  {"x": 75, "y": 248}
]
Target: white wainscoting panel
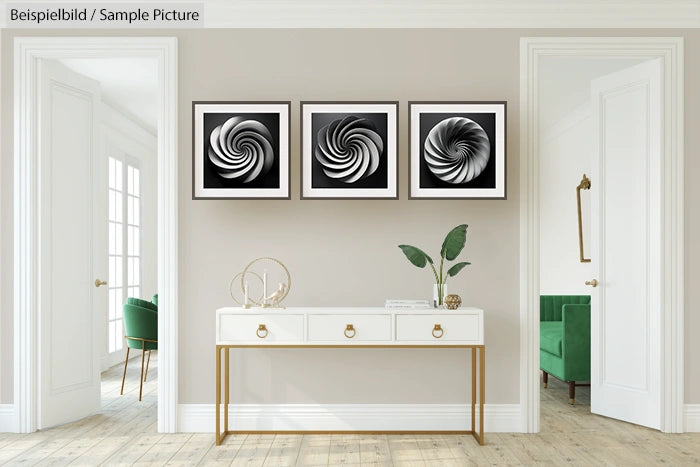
[
  {"x": 8, "y": 419},
  {"x": 351, "y": 417},
  {"x": 692, "y": 418}
]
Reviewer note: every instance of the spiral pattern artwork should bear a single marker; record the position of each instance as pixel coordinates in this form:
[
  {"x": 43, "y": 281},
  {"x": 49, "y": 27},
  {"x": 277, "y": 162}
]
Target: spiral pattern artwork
[
  {"x": 241, "y": 149},
  {"x": 457, "y": 150},
  {"x": 349, "y": 149}
]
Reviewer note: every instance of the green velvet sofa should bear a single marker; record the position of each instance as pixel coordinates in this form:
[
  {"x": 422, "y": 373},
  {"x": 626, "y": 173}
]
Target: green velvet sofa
[{"x": 565, "y": 339}]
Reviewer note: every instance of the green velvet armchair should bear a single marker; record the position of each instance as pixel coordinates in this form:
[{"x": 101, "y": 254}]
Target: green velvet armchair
[
  {"x": 565, "y": 339},
  {"x": 141, "y": 326}
]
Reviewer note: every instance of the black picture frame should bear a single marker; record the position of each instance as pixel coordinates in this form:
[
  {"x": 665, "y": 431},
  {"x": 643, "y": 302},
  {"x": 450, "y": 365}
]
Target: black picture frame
[
  {"x": 349, "y": 150},
  {"x": 251, "y": 157},
  {"x": 457, "y": 150}
]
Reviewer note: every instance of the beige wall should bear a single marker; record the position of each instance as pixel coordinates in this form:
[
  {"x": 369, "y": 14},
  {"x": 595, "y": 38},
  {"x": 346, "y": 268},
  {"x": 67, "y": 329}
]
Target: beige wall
[{"x": 344, "y": 252}]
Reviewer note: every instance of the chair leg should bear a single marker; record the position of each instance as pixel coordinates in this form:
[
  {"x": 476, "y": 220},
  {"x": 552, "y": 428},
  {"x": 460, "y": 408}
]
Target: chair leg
[
  {"x": 143, "y": 354},
  {"x": 545, "y": 378},
  {"x": 572, "y": 392},
  {"x": 145, "y": 377},
  {"x": 124, "y": 377}
]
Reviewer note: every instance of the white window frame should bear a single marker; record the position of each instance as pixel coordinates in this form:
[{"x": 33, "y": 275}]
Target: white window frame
[{"x": 127, "y": 162}]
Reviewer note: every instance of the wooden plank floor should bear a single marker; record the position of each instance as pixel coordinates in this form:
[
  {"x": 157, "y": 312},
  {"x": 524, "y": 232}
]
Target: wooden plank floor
[{"x": 125, "y": 433}]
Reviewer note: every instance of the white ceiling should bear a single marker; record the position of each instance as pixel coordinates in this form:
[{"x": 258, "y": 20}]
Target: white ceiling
[{"x": 130, "y": 85}]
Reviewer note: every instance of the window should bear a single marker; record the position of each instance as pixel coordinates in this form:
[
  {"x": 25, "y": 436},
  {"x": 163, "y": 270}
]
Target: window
[{"x": 124, "y": 244}]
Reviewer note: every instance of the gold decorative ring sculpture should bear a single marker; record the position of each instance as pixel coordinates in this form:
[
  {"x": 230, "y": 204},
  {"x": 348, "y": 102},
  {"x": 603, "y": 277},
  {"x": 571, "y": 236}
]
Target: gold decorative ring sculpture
[{"x": 261, "y": 301}]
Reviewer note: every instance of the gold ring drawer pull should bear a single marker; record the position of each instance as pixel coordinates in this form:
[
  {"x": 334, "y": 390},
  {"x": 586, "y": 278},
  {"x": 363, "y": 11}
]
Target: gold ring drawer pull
[
  {"x": 348, "y": 329},
  {"x": 438, "y": 329},
  {"x": 262, "y": 331}
]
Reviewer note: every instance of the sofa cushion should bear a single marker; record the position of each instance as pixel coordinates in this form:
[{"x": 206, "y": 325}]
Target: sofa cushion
[
  {"x": 550, "y": 337},
  {"x": 551, "y": 305}
]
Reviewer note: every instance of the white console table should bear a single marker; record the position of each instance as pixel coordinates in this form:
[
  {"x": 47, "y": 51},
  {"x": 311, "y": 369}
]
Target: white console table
[{"x": 326, "y": 327}]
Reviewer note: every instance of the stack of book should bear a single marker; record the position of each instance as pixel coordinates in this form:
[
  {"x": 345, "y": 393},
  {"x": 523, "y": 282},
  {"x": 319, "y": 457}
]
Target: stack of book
[{"x": 408, "y": 304}]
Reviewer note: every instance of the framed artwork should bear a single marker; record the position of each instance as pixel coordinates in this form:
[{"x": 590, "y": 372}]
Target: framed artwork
[
  {"x": 240, "y": 150},
  {"x": 457, "y": 150},
  {"x": 349, "y": 150}
]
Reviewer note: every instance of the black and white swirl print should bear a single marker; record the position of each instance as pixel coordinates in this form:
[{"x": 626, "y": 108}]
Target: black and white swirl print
[
  {"x": 349, "y": 149},
  {"x": 241, "y": 149},
  {"x": 457, "y": 150}
]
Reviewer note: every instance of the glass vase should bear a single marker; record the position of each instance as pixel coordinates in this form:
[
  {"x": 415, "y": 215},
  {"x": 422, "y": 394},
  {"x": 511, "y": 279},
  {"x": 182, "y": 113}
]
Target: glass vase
[{"x": 439, "y": 294}]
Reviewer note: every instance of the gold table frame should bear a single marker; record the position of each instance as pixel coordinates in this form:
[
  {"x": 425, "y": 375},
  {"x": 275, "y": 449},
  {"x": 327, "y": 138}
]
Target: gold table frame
[{"x": 478, "y": 435}]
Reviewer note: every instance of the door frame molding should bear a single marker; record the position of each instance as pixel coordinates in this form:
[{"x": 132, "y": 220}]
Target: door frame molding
[
  {"x": 27, "y": 307},
  {"x": 670, "y": 51}
]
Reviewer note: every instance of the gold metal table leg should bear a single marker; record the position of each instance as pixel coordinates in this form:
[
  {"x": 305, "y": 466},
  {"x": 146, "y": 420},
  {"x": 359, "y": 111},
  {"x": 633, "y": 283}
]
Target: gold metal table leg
[
  {"x": 218, "y": 395},
  {"x": 482, "y": 384},
  {"x": 478, "y": 435},
  {"x": 473, "y": 352},
  {"x": 226, "y": 389}
]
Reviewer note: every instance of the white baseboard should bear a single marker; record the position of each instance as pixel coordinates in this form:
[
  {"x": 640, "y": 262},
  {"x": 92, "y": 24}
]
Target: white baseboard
[
  {"x": 8, "y": 421},
  {"x": 348, "y": 417},
  {"x": 691, "y": 414}
]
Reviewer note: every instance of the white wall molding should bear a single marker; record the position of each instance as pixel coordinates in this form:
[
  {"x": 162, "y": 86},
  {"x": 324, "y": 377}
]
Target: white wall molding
[
  {"x": 670, "y": 50},
  {"x": 351, "y": 417},
  {"x": 691, "y": 418},
  {"x": 28, "y": 50},
  {"x": 8, "y": 419}
]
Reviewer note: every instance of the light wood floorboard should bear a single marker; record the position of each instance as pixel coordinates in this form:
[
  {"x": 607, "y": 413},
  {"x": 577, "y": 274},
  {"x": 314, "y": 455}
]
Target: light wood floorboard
[{"x": 125, "y": 432}]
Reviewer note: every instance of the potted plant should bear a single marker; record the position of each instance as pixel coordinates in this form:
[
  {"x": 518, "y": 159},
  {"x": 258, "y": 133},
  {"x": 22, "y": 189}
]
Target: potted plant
[{"x": 451, "y": 248}]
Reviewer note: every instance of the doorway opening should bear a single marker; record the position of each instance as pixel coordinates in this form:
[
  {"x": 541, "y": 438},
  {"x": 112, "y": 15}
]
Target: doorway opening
[
  {"x": 568, "y": 133},
  {"x": 95, "y": 221},
  {"x": 619, "y": 101}
]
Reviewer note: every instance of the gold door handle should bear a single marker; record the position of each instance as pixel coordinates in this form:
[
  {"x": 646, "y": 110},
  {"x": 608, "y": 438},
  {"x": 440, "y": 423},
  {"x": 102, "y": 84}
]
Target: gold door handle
[
  {"x": 99, "y": 282},
  {"x": 261, "y": 328},
  {"x": 592, "y": 283},
  {"x": 349, "y": 328},
  {"x": 584, "y": 185},
  {"x": 439, "y": 329}
]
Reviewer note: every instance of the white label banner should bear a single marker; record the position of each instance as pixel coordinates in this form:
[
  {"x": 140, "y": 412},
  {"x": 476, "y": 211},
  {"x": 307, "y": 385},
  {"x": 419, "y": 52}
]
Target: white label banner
[{"x": 98, "y": 15}]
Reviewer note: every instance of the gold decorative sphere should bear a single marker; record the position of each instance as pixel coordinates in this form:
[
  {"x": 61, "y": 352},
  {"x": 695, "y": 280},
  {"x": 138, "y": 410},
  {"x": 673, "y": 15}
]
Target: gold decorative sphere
[{"x": 452, "y": 301}]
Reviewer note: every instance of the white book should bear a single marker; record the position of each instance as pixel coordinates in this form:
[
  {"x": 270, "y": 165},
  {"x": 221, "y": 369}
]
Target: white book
[
  {"x": 407, "y": 302},
  {"x": 410, "y": 306}
]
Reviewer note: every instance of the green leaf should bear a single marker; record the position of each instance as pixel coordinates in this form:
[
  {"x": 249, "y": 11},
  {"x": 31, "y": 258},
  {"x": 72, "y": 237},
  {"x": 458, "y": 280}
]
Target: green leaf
[
  {"x": 454, "y": 242},
  {"x": 456, "y": 268},
  {"x": 416, "y": 255}
]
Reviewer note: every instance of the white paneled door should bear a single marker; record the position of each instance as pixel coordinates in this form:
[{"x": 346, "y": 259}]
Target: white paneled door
[
  {"x": 73, "y": 241},
  {"x": 625, "y": 245}
]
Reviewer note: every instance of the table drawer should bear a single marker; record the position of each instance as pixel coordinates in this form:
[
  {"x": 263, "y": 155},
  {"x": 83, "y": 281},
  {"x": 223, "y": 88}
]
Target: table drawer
[
  {"x": 349, "y": 328},
  {"x": 439, "y": 328},
  {"x": 261, "y": 329}
]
